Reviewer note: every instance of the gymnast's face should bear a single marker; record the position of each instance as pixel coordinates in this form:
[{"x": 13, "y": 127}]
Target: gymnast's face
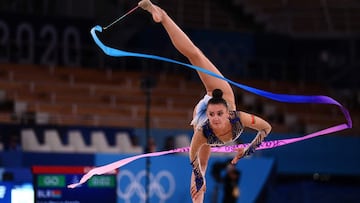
[{"x": 218, "y": 115}]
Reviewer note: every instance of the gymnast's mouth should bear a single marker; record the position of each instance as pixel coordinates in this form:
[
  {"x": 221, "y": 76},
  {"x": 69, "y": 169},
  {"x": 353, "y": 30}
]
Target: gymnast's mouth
[{"x": 216, "y": 125}]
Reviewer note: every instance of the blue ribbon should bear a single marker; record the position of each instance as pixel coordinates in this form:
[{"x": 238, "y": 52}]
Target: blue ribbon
[
  {"x": 317, "y": 99},
  {"x": 265, "y": 145}
]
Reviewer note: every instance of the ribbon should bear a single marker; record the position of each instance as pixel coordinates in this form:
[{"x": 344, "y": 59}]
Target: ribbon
[{"x": 314, "y": 99}]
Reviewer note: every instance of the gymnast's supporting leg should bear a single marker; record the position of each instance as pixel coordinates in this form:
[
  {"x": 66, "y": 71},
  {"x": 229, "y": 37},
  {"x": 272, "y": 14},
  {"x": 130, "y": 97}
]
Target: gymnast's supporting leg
[
  {"x": 204, "y": 155},
  {"x": 186, "y": 47}
]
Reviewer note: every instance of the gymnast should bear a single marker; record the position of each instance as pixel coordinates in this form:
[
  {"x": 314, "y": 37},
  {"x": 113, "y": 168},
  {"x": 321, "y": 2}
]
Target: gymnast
[{"x": 216, "y": 121}]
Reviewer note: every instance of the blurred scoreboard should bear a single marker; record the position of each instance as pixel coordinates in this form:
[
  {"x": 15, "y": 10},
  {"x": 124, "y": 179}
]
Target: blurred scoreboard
[{"x": 50, "y": 185}]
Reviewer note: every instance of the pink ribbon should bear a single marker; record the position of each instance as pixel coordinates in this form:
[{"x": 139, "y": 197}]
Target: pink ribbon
[{"x": 224, "y": 149}]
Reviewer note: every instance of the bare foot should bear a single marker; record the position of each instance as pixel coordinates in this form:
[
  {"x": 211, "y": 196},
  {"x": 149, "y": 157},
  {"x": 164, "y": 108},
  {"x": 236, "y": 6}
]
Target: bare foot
[{"x": 155, "y": 11}]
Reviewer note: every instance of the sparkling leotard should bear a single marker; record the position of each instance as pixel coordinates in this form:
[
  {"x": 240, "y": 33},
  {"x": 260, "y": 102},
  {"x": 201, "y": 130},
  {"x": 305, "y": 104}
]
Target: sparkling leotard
[
  {"x": 202, "y": 122},
  {"x": 237, "y": 129}
]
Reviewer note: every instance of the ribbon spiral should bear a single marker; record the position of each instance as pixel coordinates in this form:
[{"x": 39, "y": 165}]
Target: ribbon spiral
[{"x": 314, "y": 99}]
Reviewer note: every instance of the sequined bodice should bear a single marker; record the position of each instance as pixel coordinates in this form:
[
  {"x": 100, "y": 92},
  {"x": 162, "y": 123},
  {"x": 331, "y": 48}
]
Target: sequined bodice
[{"x": 236, "y": 128}]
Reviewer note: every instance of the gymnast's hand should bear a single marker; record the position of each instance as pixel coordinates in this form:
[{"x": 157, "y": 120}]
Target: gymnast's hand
[
  {"x": 198, "y": 186},
  {"x": 240, "y": 152}
]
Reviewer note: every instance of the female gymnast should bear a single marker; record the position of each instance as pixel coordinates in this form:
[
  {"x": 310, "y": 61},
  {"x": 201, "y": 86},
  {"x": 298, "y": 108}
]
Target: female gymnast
[{"x": 215, "y": 119}]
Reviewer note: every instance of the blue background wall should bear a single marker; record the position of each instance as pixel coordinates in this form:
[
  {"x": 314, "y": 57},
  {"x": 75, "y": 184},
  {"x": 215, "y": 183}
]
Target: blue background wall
[
  {"x": 332, "y": 155},
  {"x": 175, "y": 178}
]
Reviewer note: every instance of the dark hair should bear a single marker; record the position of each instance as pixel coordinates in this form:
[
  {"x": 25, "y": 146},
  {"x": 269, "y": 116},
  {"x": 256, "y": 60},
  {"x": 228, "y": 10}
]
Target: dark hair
[{"x": 217, "y": 97}]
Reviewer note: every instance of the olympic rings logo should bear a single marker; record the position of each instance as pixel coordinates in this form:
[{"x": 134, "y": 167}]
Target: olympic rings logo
[{"x": 135, "y": 185}]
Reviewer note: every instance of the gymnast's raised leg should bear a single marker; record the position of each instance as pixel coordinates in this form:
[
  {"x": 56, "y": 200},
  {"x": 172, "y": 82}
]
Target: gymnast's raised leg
[{"x": 186, "y": 47}]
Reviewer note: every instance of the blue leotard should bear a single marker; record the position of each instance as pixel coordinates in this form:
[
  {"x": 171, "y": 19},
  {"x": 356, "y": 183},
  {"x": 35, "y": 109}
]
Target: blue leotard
[
  {"x": 201, "y": 121},
  {"x": 237, "y": 129}
]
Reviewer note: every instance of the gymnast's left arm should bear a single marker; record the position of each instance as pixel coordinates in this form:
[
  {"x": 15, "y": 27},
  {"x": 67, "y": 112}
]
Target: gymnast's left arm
[{"x": 256, "y": 123}]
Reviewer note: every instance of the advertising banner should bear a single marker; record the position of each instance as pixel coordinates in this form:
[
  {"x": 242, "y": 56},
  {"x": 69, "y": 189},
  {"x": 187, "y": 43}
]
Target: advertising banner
[{"x": 168, "y": 178}]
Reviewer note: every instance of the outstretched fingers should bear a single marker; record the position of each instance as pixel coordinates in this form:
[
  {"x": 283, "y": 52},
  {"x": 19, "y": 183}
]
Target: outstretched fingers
[{"x": 238, "y": 156}]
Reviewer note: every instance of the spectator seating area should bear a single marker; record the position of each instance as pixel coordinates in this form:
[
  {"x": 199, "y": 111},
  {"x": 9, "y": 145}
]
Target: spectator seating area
[
  {"x": 76, "y": 143},
  {"x": 301, "y": 17},
  {"x": 66, "y": 96},
  {"x": 89, "y": 97},
  {"x": 297, "y": 17},
  {"x": 202, "y": 13}
]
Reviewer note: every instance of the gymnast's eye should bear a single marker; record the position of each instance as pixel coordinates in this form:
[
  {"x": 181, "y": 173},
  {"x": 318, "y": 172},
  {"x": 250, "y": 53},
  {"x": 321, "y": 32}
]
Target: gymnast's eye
[{"x": 219, "y": 113}]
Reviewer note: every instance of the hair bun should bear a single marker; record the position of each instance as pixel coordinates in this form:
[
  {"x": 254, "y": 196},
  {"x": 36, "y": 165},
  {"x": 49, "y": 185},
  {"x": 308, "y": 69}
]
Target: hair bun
[{"x": 217, "y": 93}]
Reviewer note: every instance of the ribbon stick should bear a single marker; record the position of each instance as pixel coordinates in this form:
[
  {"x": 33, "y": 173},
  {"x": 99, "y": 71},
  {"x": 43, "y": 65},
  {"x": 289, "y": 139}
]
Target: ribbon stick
[
  {"x": 121, "y": 17},
  {"x": 317, "y": 99}
]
